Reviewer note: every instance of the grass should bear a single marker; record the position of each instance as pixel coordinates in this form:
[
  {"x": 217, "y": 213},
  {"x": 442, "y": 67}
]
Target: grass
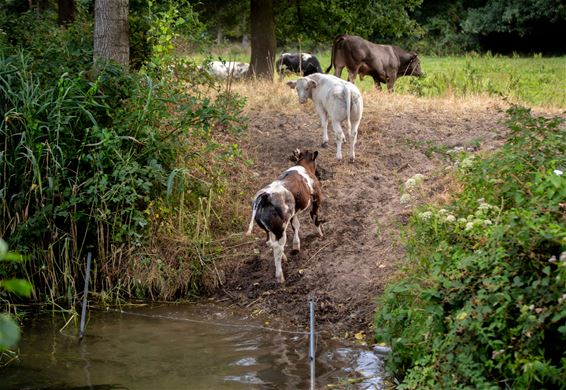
[{"x": 533, "y": 81}]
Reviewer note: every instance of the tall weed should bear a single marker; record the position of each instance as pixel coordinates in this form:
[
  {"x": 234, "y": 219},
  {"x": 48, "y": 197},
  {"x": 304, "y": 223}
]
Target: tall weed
[{"x": 85, "y": 164}]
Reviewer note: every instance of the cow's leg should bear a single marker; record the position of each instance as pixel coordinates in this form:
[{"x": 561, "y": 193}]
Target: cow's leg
[
  {"x": 353, "y": 73},
  {"x": 296, "y": 240},
  {"x": 354, "y": 136},
  {"x": 278, "y": 254},
  {"x": 377, "y": 83},
  {"x": 338, "y": 71},
  {"x": 314, "y": 214},
  {"x": 338, "y": 135},
  {"x": 391, "y": 81},
  {"x": 324, "y": 123}
]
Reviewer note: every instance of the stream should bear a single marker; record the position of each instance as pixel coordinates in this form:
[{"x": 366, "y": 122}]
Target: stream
[{"x": 182, "y": 346}]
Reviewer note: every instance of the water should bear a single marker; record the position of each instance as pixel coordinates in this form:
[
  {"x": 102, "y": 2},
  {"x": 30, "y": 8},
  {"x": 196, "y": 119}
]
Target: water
[{"x": 180, "y": 347}]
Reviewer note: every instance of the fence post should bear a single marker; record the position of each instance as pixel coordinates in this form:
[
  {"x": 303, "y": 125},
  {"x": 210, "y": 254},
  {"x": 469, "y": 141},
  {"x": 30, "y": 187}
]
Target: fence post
[
  {"x": 311, "y": 342},
  {"x": 83, "y": 311}
]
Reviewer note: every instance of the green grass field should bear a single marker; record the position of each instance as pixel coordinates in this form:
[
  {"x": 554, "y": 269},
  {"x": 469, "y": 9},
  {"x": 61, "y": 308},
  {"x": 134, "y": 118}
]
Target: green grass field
[{"x": 533, "y": 81}]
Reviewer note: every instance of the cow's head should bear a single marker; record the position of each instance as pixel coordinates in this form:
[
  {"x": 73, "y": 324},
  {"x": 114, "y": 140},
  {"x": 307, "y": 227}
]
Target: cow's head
[
  {"x": 306, "y": 158},
  {"x": 304, "y": 87},
  {"x": 414, "y": 65}
]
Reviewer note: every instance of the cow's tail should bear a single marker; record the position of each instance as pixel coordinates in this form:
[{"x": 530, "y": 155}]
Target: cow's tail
[
  {"x": 334, "y": 43},
  {"x": 331, "y": 57},
  {"x": 255, "y": 206},
  {"x": 348, "y": 108},
  {"x": 260, "y": 201}
]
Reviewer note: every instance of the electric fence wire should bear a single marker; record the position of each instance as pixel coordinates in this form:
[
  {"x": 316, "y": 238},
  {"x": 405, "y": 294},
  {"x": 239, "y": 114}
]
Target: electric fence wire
[{"x": 241, "y": 326}]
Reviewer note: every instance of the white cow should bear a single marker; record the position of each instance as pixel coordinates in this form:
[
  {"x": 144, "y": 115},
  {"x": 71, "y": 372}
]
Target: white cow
[
  {"x": 228, "y": 69},
  {"x": 335, "y": 100}
]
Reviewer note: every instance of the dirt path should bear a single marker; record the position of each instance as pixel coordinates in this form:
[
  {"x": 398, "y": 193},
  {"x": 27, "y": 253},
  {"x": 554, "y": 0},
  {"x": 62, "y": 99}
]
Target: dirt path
[{"x": 344, "y": 271}]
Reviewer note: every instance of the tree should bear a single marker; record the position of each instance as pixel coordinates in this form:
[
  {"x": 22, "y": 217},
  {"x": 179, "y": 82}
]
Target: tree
[
  {"x": 111, "y": 38},
  {"x": 262, "y": 60},
  {"x": 65, "y": 11},
  {"x": 524, "y": 25}
]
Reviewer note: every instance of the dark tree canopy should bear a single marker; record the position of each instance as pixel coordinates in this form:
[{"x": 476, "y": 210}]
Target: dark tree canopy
[
  {"x": 435, "y": 26},
  {"x": 523, "y": 25}
]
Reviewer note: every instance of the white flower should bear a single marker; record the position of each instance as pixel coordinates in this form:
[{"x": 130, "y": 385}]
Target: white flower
[
  {"x": 410, "y": 184},
  {"x": 442, "y": 211},
  {"x": 552, "y": 259},
  {"x": 558, "y": 172},
  {"x": 462, "y": 220},
  {"x": 562, "y": 298},
  {"x": 484, "y": 206},
  {"x": 487, "y": 222},
  {"x": 405, "y": 198},
  {"x": 425, "y": 216},
  {"x": 418, "y": 178},
  {"x": 469, "y": 226},
  {"x": 451, "y": 218},
  {"x": 414, "y": 181}
]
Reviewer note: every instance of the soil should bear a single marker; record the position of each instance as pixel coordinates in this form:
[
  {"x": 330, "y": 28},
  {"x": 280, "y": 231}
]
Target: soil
[{"x": 362, "y": 250}]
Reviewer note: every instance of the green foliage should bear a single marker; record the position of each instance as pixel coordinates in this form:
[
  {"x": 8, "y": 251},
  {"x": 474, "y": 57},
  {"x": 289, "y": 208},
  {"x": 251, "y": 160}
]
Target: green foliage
[
  {"x": 314, "y": 22},
  {"x": 9, "y": 330},
  {"x": 513, "y": 17},
  {"x": 482, "y": 303},
  {"x": 84, "y": 160},
  {"x": 154, "y": 27}
]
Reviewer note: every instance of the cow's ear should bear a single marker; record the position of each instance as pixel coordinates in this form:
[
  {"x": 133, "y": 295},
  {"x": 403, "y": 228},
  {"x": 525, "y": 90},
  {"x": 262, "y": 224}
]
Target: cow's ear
[
  {"x": 296, "y": 156},
  {"x": 315, "y": 155},
  {"x": 312, "y": 84},
  {"x": 291, "y": 84}
]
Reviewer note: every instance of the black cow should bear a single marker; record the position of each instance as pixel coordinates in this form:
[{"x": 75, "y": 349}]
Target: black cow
[{"x": 301, "y": 63}]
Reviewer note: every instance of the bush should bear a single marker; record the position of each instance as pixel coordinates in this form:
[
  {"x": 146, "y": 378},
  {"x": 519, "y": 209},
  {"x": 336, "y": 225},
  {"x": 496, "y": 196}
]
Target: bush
[
  {"x": 482, "y": 302},
  {"x": 90, "y": 163}
]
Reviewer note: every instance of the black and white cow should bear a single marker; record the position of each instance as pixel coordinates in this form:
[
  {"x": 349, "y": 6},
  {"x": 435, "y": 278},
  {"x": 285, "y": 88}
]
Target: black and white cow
[
  {"x": 279, "y": 203},
  {"x": 301, "y": 63}
]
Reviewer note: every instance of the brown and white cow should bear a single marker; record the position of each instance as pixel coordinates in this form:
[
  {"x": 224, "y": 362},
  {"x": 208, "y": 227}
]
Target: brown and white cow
[
  {"x": 279, "y": 203},
  {"x": 384, "y": 63}
]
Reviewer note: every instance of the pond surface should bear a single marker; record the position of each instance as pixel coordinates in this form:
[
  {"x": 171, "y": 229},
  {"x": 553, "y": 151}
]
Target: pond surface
[{"x": 181, "y": 347}]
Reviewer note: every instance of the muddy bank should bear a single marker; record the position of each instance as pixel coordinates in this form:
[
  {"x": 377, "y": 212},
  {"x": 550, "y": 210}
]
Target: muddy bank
[{"x": 399, "y": 136}]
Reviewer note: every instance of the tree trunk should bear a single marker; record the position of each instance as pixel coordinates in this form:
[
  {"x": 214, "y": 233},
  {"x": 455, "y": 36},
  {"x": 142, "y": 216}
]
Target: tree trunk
[
  {"x": 66, "y": 11},
  {"x": 263, "y": 39},
  {"x": 111, "y": 38}
]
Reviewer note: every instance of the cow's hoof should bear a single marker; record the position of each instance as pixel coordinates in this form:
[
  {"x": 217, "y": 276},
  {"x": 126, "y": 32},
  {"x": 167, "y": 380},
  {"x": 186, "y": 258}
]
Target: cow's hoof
[
  {"x": 324, "y": 144},
  {"x": 351, "y": 159}
]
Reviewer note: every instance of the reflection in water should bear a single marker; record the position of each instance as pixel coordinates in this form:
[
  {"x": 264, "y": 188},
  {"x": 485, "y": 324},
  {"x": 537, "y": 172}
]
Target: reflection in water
[{"x": 179, "y": 347}]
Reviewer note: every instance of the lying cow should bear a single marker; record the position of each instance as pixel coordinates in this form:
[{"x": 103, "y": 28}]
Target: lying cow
[
  {"x": 228, "y": 69},
  {"x": 384, "y": 63},
  {"x": 336, "y": 100},
  {"x": 302, "y": 63},
  {"x": 281, "y": 202}
]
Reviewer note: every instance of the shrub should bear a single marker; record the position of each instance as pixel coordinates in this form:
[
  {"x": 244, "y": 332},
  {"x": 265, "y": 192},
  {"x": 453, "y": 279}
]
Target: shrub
[
  {"x": 482, "y": 302},
  {"x": 88, "y": 163}
]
